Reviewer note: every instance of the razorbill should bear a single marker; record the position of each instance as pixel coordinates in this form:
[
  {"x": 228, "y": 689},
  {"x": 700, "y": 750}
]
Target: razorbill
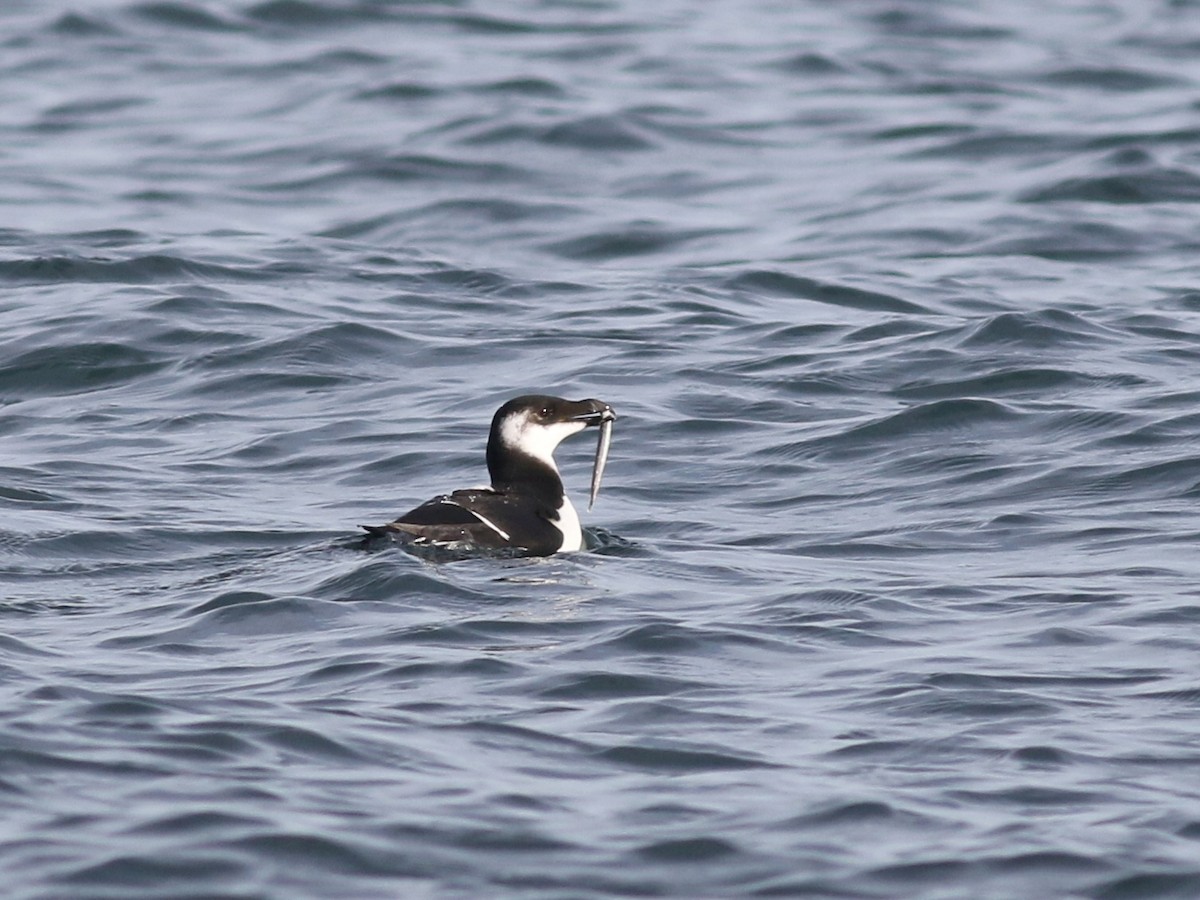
[{"x": 525, "y": 512}]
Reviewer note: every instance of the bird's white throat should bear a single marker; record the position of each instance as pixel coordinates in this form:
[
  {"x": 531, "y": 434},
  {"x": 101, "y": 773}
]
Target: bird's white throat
[{"x": 522, "y": 434}]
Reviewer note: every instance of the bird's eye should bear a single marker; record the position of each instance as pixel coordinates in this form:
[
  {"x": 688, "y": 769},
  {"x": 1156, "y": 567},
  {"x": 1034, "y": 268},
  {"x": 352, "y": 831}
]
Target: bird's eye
[{"x": 545, "y": 413}]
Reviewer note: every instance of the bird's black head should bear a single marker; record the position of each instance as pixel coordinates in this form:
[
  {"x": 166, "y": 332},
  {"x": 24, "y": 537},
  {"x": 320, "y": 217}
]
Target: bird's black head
[{"x": 530, "y": 427}]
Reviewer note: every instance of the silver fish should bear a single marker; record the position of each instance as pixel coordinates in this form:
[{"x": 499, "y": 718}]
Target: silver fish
[{"x": 602, "y": 444}]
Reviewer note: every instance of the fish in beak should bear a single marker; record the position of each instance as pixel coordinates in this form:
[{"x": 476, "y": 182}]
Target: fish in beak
[{"x": 602, "y": 415}]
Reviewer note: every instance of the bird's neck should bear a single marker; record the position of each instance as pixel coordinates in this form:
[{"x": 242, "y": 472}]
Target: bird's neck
[{"x": 512, "y": 470}]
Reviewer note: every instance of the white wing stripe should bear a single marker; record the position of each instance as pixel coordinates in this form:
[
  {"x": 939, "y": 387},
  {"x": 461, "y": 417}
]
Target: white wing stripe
[
  {"x": 490, "y": 524},
  {"x": 484, "y": 519}
]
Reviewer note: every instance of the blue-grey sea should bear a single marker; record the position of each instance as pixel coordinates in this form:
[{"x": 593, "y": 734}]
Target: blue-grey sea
[{"x": 893, "y": 586}]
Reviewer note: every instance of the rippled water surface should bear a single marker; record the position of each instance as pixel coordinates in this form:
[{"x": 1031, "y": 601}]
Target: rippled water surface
[{"x": 893, "y": 585}]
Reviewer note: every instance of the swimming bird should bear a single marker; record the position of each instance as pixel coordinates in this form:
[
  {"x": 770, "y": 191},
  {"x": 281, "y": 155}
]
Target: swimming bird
[{"x": 526, "y": 511}]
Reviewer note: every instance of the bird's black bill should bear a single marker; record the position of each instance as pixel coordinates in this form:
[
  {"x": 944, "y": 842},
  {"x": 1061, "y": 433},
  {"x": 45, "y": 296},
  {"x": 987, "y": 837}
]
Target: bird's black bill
[{"x": 598, "y": 415}]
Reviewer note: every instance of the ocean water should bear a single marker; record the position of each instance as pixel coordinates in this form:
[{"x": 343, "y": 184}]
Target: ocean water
[{"x": 892, "y": 588}]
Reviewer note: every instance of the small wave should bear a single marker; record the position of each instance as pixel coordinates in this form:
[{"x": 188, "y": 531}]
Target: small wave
[
  {"x": 341, "y": 346},
  {"x": 1158, "y": 185},
  {"x": 403, "y": 168},
  {"x": 584, "y": 685},
  {"x": 315, "y": 14},
  {"x": 1034, "y": 330},
  {"x": 130, "y": 872},
  {"x": 593, "y": 134},
  {"x": 701, "y": 849},
  {"x": 927, "y": 22},
  {"x": 1079, "y": 240},
  {"x": 1176, "y": 477},
  {"x": 1114, "y": 79},
  {"x": 77, "y": 25},
  {"x": 960, "y": 415},
  {"x": 637, "y": 239},
  {"x": 76, "y": 369},
  {"x": 1183, "y": 883},
  {"x": 980, "y": 146},
  {"x": 401, "y": 90},
  {"x": 522, "y": 87},
  {"x": 139, "y": 270},
  {"x": 782, "y": 284},
  {"x": 678, "y": 759},
  {"x": 810, "y": 64},
  {"x": 1016, "y": 382},
  {"x": 185, "y": 15}
]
